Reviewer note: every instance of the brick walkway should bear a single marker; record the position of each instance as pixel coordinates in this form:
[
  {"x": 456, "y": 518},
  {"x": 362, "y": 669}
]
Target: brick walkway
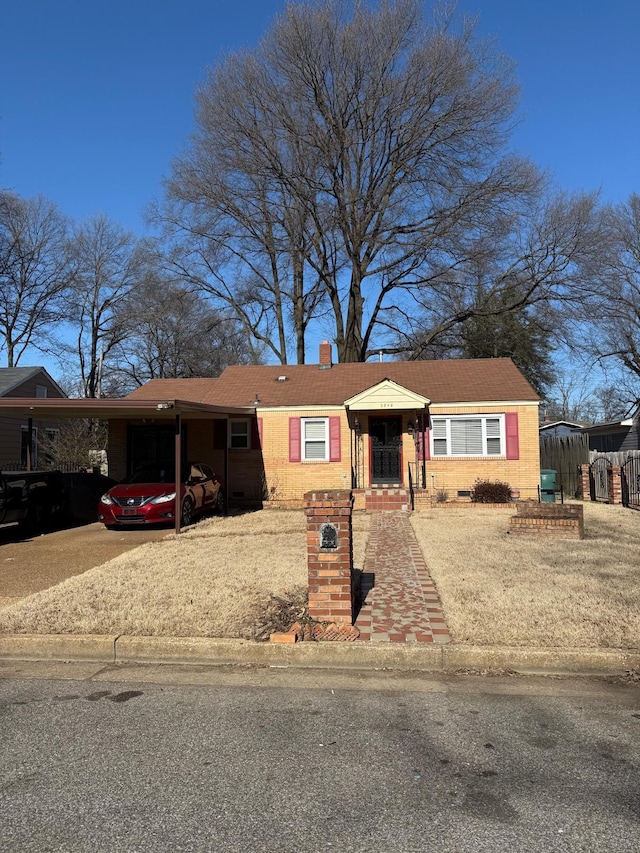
[{"x": 401, "y": 604}]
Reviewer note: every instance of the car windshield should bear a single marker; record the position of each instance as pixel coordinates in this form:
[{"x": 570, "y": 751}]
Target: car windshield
[{"x": 151, "y": 475}]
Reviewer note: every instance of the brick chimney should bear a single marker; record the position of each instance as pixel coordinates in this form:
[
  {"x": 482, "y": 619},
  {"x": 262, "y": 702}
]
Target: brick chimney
[{"x": 325, "y": 355}]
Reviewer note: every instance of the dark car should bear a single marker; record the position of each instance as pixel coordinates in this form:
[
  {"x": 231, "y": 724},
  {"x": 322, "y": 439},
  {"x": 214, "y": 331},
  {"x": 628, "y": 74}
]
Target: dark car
[
  {"x": 33, "y": 499},
  {"x": 148, "y": 497}
]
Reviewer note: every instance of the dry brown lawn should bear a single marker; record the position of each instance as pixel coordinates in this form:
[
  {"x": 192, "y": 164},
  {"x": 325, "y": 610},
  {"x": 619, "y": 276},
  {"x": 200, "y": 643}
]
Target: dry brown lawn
[
  {"x": 498, "y": 588},
  {"x": 212, "y": 581},
  {"x": 215, "y": 579}
]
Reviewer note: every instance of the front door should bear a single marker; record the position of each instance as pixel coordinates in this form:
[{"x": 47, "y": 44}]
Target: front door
[{"x": 385, "y": 439}]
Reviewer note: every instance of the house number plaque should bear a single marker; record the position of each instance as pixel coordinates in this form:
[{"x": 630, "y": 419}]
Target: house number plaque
[{"x": 328, "y": 536}]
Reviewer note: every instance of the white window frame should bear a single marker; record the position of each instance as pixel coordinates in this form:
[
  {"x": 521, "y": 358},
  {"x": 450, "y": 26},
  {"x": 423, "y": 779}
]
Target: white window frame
[
  {"x": 449, "y": 419},
  {"x": 304, "y": 441},
  {"x": 246, "y": 445},
  {"x": 41, "y": 391}
]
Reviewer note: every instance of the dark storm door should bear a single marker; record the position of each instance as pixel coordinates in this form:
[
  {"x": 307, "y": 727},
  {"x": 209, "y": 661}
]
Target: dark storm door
[{"x": 385, "y": 438}]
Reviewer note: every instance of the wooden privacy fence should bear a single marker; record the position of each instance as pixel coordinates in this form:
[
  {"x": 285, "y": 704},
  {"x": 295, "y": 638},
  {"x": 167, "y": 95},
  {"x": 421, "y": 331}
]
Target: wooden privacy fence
[{"x": 565, "y": 455}]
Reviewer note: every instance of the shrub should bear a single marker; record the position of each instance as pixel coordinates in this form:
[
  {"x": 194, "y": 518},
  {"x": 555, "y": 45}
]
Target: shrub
[
  {"x": 486, "y": 492},
  {"x": 442, "y": 496}
]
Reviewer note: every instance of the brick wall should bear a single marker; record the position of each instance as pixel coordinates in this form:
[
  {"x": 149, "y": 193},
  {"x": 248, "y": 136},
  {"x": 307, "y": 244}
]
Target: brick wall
[
  {"x": 286, "y": 480},
  {"x": 290, "y": 480}
]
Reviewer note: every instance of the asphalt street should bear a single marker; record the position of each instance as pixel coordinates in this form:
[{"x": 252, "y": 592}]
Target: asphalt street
[{"x": 221, "y": 759}]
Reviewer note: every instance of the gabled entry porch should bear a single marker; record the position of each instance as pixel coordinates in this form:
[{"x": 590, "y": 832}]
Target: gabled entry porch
[{"x": 389, "y": 433}]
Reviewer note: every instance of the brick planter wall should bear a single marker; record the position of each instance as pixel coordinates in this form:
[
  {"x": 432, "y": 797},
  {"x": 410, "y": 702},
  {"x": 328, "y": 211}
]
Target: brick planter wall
[
  {"x": 330, "y": 569},
  {"x": 564, "y": 520}
]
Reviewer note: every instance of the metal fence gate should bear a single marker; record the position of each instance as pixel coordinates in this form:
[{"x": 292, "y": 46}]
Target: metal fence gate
[
  {"x": 599, "y": 479},
  {"x": 630, "y": 478}
]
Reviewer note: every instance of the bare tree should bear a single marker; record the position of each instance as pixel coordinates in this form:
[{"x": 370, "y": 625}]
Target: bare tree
[
  {"x": 532, "y": 256},
  {"x": 245, "y": 248},
  {"x": 356, "y": 162},
  {"x": 78, "y": 444},
  {"x": 35, "y": 270},
  {"x": 108, "y": 262},
  {"x": 168, "y": 332},
  {"x": 576, "y": 395},
  {"x": 609, "y": 310}
]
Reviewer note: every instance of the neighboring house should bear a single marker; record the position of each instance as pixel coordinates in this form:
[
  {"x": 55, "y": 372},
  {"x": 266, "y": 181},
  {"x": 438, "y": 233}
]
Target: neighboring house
[
  {"x": 615, "y": 435},
  {"x": 559, "y": 429},
  {"x": 361, "y": 426},
  {"x": 16, "y": 430}
]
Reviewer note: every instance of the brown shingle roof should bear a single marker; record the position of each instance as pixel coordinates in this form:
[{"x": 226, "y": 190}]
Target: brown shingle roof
[
  {"x": 453, "y": 381},
  {"x": 192, "y": 390}
]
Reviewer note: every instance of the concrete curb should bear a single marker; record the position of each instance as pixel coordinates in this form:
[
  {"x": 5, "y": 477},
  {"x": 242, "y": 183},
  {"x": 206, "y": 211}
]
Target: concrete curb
[
  {"x": 403, "y": 657},
  {"x": 87, "y": 647}
]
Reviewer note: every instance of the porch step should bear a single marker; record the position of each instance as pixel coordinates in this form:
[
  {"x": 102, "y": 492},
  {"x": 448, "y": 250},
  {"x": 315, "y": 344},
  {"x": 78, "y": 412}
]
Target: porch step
[{"x": 386, "y": 499}]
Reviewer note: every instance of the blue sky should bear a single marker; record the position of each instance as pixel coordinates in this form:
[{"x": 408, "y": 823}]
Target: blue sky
[{"x": 97, "y": 97}]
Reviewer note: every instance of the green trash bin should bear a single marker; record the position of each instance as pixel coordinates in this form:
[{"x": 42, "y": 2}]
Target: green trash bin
[{"x": 548, "y": 485}]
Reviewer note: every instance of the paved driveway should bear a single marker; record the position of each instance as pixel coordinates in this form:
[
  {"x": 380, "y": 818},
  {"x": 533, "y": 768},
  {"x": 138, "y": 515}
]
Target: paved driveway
[{"x": 29, "y": 565}]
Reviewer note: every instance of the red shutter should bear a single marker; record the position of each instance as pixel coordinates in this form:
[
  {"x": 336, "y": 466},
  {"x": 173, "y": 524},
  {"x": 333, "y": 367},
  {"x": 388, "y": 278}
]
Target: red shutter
[
  {"x": 256, "y": 434},
  {"x": 511, "y": 429},
  {"x": 427, "y": 444},
  {"x": 334, "y": 439},
  {"x": 294, "y": 439}
]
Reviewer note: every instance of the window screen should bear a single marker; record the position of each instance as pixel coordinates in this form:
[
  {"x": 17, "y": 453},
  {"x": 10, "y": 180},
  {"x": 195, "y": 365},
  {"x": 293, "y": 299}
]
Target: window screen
[{"x": 468, "y": 436}]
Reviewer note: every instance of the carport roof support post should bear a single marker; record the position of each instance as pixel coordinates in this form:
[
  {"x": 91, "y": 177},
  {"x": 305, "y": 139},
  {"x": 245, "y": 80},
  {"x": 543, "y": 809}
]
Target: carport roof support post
[{"x": 177, "y": 509}]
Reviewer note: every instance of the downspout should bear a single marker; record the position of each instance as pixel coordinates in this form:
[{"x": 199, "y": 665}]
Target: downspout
[
  {"x": 225, "y": 479},
  {"x": 423, "y": 426}
]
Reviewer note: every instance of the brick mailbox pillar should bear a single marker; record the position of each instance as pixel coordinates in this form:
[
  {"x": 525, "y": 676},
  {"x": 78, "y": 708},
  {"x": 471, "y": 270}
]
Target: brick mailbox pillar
[{"x": 330, "y": 555}]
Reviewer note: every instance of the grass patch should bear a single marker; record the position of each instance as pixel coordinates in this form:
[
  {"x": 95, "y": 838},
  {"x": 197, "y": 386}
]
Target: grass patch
[
  {"x": 224, "y": 576},
  {"x": 535, "y": 591},
  {"x": 214, "y": 580}
]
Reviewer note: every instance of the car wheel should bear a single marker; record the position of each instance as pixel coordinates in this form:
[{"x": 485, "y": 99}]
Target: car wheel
[
  {"x": 220, "y": 502},
  {"x": 187, "y": 512}
]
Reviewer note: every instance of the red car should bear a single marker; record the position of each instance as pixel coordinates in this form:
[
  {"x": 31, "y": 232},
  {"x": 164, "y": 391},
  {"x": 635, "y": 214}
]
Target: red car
[{"x": 148, "y": 497}]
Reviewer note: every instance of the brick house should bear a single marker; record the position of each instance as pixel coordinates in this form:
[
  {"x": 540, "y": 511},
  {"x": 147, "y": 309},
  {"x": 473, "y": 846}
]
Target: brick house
[{"x": 280, "y": 431}]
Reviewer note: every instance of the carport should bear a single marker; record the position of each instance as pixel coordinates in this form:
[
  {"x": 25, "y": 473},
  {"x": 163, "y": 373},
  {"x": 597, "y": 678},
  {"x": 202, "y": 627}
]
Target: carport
[{"x": 162, "y": 411}]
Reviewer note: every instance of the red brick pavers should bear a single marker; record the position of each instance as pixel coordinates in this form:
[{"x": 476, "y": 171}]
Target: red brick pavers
[{"x": 403, "y": 605}]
